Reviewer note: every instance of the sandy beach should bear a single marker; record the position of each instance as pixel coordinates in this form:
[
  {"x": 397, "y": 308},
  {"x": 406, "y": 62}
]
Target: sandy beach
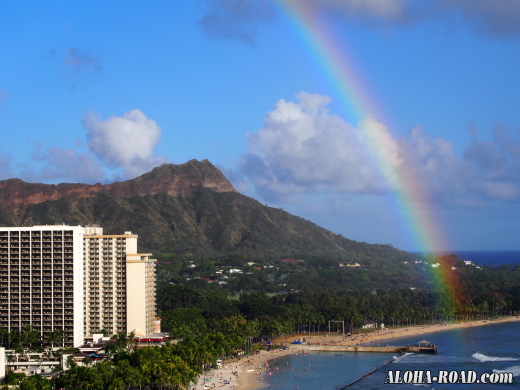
[{"x": 245, "y": 373}]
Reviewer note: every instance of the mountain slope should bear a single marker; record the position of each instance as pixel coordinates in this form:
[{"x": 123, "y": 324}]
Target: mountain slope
[{"x": 188, "y": 209}]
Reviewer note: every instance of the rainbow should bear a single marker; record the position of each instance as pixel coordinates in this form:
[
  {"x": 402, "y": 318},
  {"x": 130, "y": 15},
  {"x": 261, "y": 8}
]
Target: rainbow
[{"x": 341, "y": 73}]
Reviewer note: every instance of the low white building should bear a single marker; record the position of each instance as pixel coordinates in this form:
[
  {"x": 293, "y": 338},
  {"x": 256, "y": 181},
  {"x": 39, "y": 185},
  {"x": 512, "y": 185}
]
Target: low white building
[{"x": 370, "y": 325}]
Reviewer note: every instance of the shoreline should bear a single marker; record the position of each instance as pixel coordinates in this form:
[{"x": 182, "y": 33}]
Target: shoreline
[
  {"x": 413, "y": 331},
  {"x": 244, "y": 373}
]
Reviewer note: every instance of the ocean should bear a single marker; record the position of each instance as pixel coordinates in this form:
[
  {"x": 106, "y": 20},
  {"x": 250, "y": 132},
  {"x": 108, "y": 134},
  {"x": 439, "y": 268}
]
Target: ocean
[
  {"x": 487, "y": 258},
  {"x": 490, "y": 349}
]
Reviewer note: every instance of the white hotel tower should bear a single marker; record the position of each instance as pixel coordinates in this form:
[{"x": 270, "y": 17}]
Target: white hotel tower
[{"x": 75, "y": 279}]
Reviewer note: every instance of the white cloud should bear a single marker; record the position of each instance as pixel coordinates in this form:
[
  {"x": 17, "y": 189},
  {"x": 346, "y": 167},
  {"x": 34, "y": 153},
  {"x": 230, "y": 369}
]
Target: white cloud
[
  {"x": 125, "y": 142},
  {"x": 431, "y": 163},
  {"x": 496, "y": 164},
  {"x": 119, "y": 148},
  {"x": 303, "y": 149}
]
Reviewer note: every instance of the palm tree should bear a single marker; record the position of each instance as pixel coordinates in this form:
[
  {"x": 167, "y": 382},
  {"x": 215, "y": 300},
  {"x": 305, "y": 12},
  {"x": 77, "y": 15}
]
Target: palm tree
[
  {"x": 36, "y": 382},
  {"x": 128, "y": 374},
  {"x": 13, "y": 338},
  {"x": 4, "y": 334}
]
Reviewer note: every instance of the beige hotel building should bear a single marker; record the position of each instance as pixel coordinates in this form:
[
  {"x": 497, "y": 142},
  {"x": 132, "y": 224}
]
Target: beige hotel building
[
  {"x": 119, "y": 287},
  {"x": 75, "y": 279}
]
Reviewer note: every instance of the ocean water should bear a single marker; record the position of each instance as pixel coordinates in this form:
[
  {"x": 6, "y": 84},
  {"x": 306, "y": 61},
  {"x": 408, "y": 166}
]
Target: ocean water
[
  {"x": 483, "y": 349},
  {"x": 487, "y": 257}
]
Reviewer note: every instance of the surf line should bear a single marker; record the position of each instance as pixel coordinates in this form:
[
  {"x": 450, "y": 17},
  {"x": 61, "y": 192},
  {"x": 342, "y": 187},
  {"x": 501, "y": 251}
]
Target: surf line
[{"x": 367, "y": 374}]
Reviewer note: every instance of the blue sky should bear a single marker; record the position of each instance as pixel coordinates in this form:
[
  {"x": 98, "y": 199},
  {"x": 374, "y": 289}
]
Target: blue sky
[{"x": 103, "y": 91}]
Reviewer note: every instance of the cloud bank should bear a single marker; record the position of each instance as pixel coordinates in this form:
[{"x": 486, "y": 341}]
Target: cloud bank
[
  {"x": 241, "y": 18},
  {"x": 303, "y": 149}
]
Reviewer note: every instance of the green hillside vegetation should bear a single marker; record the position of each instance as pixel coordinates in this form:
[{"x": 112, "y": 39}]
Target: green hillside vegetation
[
  {"x": 208, "y": 224},
  {"x": 237, "y": 273}
]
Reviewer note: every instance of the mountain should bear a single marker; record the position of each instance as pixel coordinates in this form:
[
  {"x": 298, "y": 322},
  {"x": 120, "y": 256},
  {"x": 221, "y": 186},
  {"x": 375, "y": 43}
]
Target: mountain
[
  {"x": 174, "y": 180},
  {"x": 189, "y": 209}
]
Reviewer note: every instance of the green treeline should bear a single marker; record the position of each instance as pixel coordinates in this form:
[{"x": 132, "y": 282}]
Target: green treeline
[{"x": 311, "y": 310}]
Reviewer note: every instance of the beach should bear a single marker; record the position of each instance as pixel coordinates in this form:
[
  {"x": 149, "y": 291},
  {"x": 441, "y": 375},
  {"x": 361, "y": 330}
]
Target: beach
[{"x": 244, "y": 373}]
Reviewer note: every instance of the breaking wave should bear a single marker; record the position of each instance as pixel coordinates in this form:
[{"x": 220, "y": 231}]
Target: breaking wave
[
  {"x": 515, "y": 370},
  {"x": 484, "y": 358},
  {"x": 397, "y": 358}
]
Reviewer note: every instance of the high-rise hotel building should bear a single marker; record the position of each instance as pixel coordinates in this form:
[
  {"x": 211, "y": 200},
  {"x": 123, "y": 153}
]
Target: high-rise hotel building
[
  {"x": 41, "y": 280},
  {"x": 75, "y": 279},
  {"x": 119, "y": 287}
]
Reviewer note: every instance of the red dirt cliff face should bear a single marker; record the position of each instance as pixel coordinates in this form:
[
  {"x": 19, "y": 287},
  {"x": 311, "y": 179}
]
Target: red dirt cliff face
[{"x": 175, "y": 180}]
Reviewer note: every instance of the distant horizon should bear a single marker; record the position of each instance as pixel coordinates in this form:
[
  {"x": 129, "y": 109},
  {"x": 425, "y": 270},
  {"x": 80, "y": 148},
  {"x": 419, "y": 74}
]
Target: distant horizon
[{"x": 480, "y": 250}]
